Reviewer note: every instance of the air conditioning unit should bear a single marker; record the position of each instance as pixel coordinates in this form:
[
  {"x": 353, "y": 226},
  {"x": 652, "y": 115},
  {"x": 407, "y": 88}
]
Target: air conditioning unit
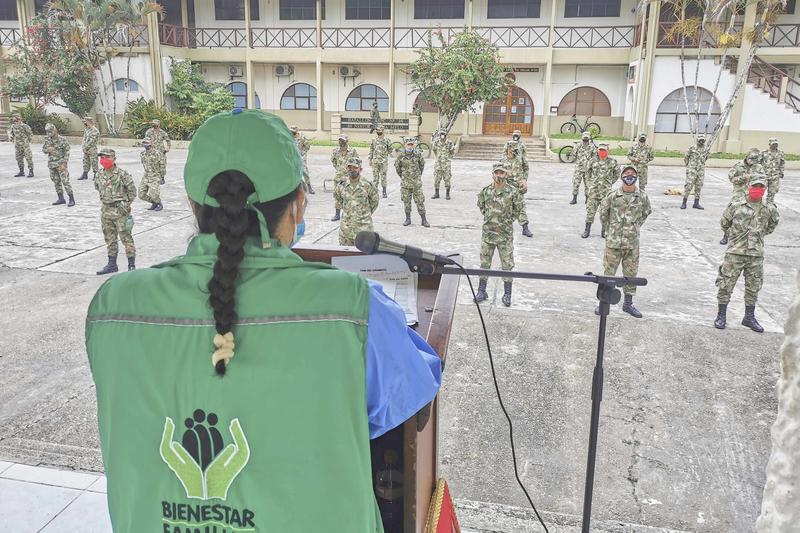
[
  {"x": 235, "y": 71},
  {"x": 347, "y": 71},
  {"x": 283, "y": 70}
]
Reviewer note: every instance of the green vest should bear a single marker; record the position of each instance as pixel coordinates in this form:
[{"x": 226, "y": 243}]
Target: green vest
[{"x": 280, "y": 443}]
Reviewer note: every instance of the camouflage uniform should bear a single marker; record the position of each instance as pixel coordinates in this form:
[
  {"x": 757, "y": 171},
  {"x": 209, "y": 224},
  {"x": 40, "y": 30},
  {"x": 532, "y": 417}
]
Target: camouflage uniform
[
  {"x": 774, "y": 163},
  {"x": 518, "y": 144},
  {"x": 409, "y": 167},
  {"x": 374, "y": 118},
  {"x": 379, "y": 152},
  {"x": 161, "y": 145},
  {"x": 739, "y": 176},
  {"x": 585, "y": 154},
  {"x": 339, "y": 160},
  {"x": 499, "y": 207},
  {"x": 695, "y": 160},
  {"x": 90, "y": 137},
  {"x": 149, "y": 187},
  {"x": 117, "y": 192},
  {"x": 304, "y": 146},
  {"x": 21, "y": 135},
  {"x": 602, "y": 174},
  {"x": 444, "y": 151},
  {"x": 622, "y": 215},
  {"x": 359, "y": 199},
  {"x": 57, "y": 149},
  {"x": 517, "y": 176},
  {"x": 640, "y": 155}
]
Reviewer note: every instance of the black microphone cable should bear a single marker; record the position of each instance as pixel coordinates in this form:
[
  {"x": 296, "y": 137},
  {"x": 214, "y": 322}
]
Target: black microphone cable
[{"x": 500, "y": 398}]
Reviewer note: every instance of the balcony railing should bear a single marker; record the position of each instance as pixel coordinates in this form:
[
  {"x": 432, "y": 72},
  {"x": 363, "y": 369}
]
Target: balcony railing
[
  {"x": 516, "y": 36},
  {"x": 128, "y": 36},
  {"x": 284, "y": 38},
  {"x": 202, "y": 37},
  {"x": 594, "y": 37},
  {"x": 355, "y": 38},
  {"x": 775, "y": 82},
  {"x": 418, "y": 37},
  {"x": 9, "y": 36},
  {"x": 783, "y": 35},
  {"x": 667, "y": 39}
]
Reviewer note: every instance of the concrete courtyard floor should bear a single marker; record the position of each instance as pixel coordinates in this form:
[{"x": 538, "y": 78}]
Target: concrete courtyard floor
[{"x": 684, "y": 435}]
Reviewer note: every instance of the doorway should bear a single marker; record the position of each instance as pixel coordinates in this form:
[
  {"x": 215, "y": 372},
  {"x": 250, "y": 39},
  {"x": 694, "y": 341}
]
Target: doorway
[{"x": 509, "y": 113}]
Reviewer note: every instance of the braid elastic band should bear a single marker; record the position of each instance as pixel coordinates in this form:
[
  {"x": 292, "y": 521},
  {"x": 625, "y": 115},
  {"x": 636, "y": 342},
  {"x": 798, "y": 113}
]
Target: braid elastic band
[
  {"x": 225, "y": 346},
  {"x": 262, "y": 222}
]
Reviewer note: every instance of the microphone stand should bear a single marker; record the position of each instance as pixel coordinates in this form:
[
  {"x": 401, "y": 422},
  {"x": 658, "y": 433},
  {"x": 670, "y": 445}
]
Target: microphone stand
[{"x": 607, "y": 294}]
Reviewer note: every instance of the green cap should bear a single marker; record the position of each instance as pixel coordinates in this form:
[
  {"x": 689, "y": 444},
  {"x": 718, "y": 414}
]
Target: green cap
[
  {"x": 500, "y": 166},
  {"x": 354, "y": 162},
  {"x": 758, "y": 178},
  {"x": 107, "y": 152}
]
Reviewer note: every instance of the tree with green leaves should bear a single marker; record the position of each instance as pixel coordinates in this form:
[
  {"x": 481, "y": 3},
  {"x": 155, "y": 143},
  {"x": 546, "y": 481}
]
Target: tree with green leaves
[
  {"x": 455, "y": 76},
  {"x": 187, "y": 81}
]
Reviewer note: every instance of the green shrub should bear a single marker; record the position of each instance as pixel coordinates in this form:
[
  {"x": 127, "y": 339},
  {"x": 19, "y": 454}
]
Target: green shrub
[
  {"x": 141, "y": 112},
  {"x": 36, "y": 118}
]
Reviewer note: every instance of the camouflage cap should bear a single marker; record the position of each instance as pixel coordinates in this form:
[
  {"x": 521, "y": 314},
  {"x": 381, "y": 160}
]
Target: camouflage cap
[
  {"x": 586, "y": 135},
  {"x": 354, "y": 162},
  {"x": 155, "y": 122},
  {"x": 602, "y": 146},
  {"x": 87, "y": 118},
  {"x": 49, "y": 127},
  {"x": 410, "y": 140},
  {"x": 107, "y": 152},
  {"x": 343, "y": 137},
  {"x": 379, "y": 128},
  {"x": 16, "y": 114},
  {"x": 146, "y": 142},
  {"x": 516, "y": 132},
  {"x": 701, "y": 138},
  {"x": 758, "y": 178},
  {"x": 773, "y": 140},
  {"x": 753, "y": 152},
  {"x": 628, "y": 167},
  {"x": 500, "y": 166},
  {"x": 643, "y": 134},
  {"x": 294, "y": 129}
]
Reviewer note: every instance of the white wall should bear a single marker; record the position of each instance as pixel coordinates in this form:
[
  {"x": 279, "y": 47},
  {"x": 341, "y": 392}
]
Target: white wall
[
  {"x": 762, "y": 113},
  {"x": 611, "y": 79},
  {"x": 140, "y": 72}
]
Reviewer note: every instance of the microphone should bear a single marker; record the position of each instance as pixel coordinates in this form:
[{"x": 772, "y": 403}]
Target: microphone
[{"x": 370, "y": 243}]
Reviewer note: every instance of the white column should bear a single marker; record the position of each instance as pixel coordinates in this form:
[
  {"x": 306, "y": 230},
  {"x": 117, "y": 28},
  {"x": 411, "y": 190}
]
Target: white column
[
  {"x": 646, "y": 75},
  {"x": 154, "y": 52},
  {"x": 391, "y": 59},
  {"x": 734, "y": 143},
  {"x": 548, "y": 72},
  {"x": 184, "y": 14},
  {"x": 320, "y": 93}
]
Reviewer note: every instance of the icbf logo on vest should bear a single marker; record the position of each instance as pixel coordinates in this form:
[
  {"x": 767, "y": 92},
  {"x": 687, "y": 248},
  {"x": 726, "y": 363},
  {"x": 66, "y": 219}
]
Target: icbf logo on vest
[{"x": 206, "y": 468}]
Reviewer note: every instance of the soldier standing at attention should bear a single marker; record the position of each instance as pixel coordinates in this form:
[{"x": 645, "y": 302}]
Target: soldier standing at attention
[
  {"x": 90, "y": 137},
  {"x": 640, "y": 155},
  {"x": 21, "y": 135},
  {"x": 444, "y": 150},
  {"x": 161, "y": 144},
  {"x": 379, "y": 152},
  {"x": 374, "y": 117},
  {"x": 773, "y": 161},
  {"x": 747, "y": 221},
  {"x": 117, "y": 193},
  {"x": 623, "y": 213},
  {"x": 695, "y": 160},
  {"x": 517, "y": 177},
  {"x": 339, "y": 159},
  {"x": 303, "y": 146},
  {"x": 409, "y": 166},
  {"x": 602, "y": 174},
  {"x": 585, "y": 152},
  {"x": 739, "y": 176},
  {"x": 57, "y": 149},
  {"x": 500, "y": 204},
  {"x": 149, "y": 189},
  {"x": 516, "y": 141},
  {"x": 359, "y": 199}
]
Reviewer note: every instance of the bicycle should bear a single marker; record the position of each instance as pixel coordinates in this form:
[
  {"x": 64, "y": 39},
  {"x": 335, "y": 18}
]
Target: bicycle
[
  {"x": 567, "y": 154},
  {"x": 573, "y": 126},
  {"x": 424, "y": 148}
]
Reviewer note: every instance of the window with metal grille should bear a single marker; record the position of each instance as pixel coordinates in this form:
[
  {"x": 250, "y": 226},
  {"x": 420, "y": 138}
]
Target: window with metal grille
[
  {"x": 8, "y": 10},
  {"x": 301, "y": 96},
  {"x": 671, "y": 116},
  {"x": 239, "y": 91},
  {"x": 509, "y": 9},
  {"x": 124, "y": 84},
  {"x": 300, "y": 9},
  {"x": 438, "y": 9},
  {"x": 585, "y": 101},
  {"x": 591, "y": 8},
  {"x": 363, "y": 96},
  {"x": 234, "y": 9},
  {"x": 368, "y": 9}
]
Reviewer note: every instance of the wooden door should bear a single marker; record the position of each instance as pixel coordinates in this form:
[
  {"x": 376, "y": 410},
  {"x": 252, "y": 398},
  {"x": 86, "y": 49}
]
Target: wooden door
[{"x": 513, "y": 112}]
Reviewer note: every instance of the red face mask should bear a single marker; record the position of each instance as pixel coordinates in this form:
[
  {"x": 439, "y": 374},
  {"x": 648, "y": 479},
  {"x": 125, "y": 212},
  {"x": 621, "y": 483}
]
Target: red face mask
[
  {"x": 106, "y": 163},
  {"x": 603, "y": 154},
  {"x": 756, "y": 193}
]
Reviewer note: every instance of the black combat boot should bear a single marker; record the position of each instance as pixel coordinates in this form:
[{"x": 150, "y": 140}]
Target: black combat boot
[
  {"x": 481, "y": 294},
  {"x": 447, "y": 193},
  {"x": 408, "y": 219},
  {"x": 71, "y": 201},
  {"x": 603, "y": 231},
  {"x": 152, "y": 206},
  {"x": 526, "y": 231},
  {"x": 161, "y": 181},
  {"x": 311, "y": 189},
  {"x": 84, "y": 176},
  {"x": 21, "y": 173},
  {"x": 158, "y": 207},
  {"x": 507, "y": 293},
  {"x": 384, "y": 192},
  {"x": 131, "y": 263},
  {"x": 629, "y": 308},
  {"x": 724, "y": 239},
  {"x": 435, "y": 194},
  {"x": 30, "y": 172},
  {"x": 683, "y": 204},
  {"x": 337, "y": 215},
  {"x": 60, "y": 200},
  {"x": 574, "y": 199},
  {"x": 585, "y": 234},
  {"x": 722, "y": 311},
  {"x": 110, "y": 267},
  {"x": 696, "y": 204},
  {"x": 749, "y": 319},
  {"x": 424, "y": 221}
]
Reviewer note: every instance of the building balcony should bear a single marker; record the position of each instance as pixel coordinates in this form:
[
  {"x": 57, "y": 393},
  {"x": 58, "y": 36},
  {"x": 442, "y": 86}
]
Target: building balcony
[
  {"x": 668, "y": 39},
  {"x": 9, "y": 36}
]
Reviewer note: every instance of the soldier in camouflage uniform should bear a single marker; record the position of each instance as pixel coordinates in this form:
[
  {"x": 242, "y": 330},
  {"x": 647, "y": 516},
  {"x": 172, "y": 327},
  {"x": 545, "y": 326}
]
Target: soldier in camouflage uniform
[
  {"x": 303, "y": 146},
  {"x": 89, "y": 145},
  {"x": 359, "y": 199},
  {"x": 739, "y": 176},
  {"x": 149, "y": 188},
  {"x": 21, "y": 135},
  {"x": 623, "y": 213},
  {"x": 773, "y": 161},
  {"x": 602, "y": 174},
  {"x": 117, "y": 193},
  {"x": 695, "y": 160},
  {"x": 374, "y": 117},
  {"x": 409, "y": 166},
  {"x": 516, "y": 141},
  {"x": 747, "y": 221},
  {"x": 339, "y": 159},
  {"x": 517, "y": 177},
  {"x": 57, "y": 149},
  {"x": 444, "y": 150},
  {"x": 585, "y": 153},
  {"x": 640, "y": 155},
  {"x": 500, "y": 204},
  {"x": 161, "y": 144},
  {"x": 379, "y": 152}
]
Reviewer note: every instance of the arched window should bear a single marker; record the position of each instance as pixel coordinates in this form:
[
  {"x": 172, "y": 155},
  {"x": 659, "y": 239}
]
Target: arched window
[
  {"x": 362, "y": 97},
  {"x": 239, "y": 91},
  {"x": 422, "y": 104},
  {"x": 124, "y": 84},
  {"x": 299, "y": 96},
  {"x": 585, "y": 101},
  {"x": 671, "y": 116}
]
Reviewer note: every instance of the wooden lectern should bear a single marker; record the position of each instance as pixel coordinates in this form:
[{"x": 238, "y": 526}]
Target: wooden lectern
[{"x": 418, "y": 436}]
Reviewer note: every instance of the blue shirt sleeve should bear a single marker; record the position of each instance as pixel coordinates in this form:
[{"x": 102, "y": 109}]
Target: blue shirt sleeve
[{"x": 403, "y": 371}]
